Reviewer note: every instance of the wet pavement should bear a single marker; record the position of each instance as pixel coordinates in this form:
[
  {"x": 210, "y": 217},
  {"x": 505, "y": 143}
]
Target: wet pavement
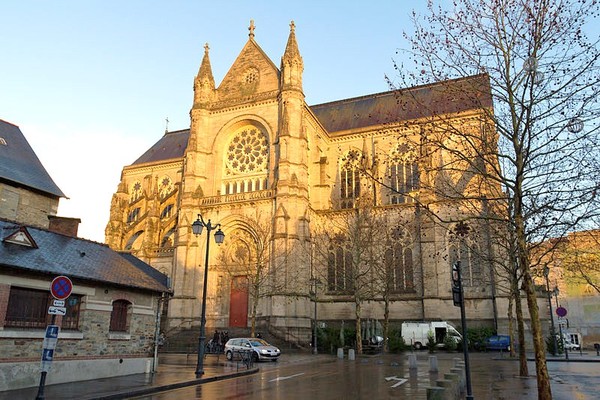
[{"x": 493, "y": 376}]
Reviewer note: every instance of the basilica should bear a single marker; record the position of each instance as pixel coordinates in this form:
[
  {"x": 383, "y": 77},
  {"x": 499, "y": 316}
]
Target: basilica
[{"x": 312, "y": 200}]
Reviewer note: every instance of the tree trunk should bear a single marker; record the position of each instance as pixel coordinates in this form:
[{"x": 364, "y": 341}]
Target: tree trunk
[
  {"x": 357, "y": 327},
  {"x": 511, "y": 328},
  {"x": 253, "y": 316},
  {"x": 541, "y": 369},
  {"x": 386, "y": 323},
  {"x": 516, "y": 295}
]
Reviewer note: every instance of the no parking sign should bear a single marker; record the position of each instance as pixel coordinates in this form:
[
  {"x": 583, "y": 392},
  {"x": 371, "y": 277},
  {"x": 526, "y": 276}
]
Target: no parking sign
[{"x": 61, "y": 287}]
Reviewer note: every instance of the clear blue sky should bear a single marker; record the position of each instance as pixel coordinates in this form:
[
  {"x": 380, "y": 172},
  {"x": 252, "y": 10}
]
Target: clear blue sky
[{"x": 90, "y": 83}]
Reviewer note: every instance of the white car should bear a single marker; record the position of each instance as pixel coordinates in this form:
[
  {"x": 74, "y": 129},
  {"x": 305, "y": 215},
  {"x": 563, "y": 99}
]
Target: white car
[{"x": 260, "y": 349}]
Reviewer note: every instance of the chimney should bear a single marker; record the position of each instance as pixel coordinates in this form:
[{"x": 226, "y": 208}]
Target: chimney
[{"x": 63, "y": 225}]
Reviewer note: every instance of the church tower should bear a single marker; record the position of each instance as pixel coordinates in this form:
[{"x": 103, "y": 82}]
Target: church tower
[{"x": 274, "y": 174}]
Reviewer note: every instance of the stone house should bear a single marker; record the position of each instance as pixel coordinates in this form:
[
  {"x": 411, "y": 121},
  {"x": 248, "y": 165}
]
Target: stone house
[{"x": 110, "y": 321}]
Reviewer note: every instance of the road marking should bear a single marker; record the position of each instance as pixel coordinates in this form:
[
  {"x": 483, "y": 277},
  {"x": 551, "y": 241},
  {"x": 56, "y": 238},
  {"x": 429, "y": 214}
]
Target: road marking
[
  {"x": 395, "y": 378},
  {"x": 283, "y": 378}
]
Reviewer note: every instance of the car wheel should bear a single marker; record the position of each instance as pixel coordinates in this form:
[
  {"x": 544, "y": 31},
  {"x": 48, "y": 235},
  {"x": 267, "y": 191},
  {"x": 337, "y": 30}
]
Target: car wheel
[
  {"x": 229, "y": 355},
  {"x": 418, "y": 346},
  {"x": 274, "y": 360},
  {"x": 254, "y": 357}
]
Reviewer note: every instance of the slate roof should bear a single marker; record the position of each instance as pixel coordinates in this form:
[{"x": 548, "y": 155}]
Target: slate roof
[
  {"x": 406, "y": 104},
  {"x": 79, "y": 259},
  {"x": 171, "y": 145},
  {"x": 20, "y": 165},
  {"x": 371, "y": 110}
]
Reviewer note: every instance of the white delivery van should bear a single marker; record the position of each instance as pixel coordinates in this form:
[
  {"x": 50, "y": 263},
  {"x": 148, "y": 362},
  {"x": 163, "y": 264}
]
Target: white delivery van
[{"x": 416, "y": 333}]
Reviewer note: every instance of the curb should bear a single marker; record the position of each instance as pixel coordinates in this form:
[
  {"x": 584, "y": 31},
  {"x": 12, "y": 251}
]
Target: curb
[{"x": 155, "y": 389}]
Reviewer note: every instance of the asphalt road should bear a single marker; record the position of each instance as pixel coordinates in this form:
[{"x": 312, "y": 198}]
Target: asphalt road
[{"x": 388, "y": 377}]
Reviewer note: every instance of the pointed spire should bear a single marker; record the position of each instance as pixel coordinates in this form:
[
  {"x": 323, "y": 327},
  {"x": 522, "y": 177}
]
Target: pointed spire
[
  {"x": 204, "y": 84},
  {"x": 205, "y": 71},
  {"x": 291, "y": 63},
  {"x": 251, "y": 29},
  {"x": 291, "y": 49}
]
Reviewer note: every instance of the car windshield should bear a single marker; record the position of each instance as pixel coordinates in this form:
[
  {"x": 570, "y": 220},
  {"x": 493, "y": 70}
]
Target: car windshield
[{"x": 258, "y": 342}]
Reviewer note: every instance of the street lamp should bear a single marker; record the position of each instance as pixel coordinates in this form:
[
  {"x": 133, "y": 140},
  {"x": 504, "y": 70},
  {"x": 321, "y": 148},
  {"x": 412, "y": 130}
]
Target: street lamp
[
  {"x": 314, "y": 284},
  {"x": 552, "y": 329},
  {"x": 562, "y": 339},
  {"x": 219, "y": 237}
]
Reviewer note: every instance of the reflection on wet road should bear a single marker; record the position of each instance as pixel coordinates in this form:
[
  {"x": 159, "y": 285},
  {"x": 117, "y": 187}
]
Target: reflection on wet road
[{"x": 388, "y": 377}]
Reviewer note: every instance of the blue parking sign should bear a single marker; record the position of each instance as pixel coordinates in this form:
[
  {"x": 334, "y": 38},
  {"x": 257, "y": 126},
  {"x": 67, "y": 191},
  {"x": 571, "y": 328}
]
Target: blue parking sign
[
  {"x": 52, "y": 331},
  {"x": 47, "y": 354}
]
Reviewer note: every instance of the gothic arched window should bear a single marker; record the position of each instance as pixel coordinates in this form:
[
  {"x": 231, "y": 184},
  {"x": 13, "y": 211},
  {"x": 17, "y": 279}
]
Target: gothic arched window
[
  {"x": 350, "y": 179},
  {"x": 399, "y": 263},
  {"x": 463, "y": 247},
  {"x": 402, "y": 175},
  {"x": 339, "y": 268}
]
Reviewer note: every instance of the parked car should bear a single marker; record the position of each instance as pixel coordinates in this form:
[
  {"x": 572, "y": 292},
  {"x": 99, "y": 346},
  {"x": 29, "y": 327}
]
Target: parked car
[
  {"x": 261, "y": 350},
  {"x": 497, "y": 342}
]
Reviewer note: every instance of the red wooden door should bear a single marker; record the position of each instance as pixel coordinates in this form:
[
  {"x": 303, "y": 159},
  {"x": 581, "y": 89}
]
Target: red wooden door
[{"x": 238, "y": 302}]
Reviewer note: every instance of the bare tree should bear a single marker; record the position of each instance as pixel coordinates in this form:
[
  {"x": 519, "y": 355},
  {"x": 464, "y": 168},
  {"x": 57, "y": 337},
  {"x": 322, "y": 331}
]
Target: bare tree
[
  {"x": 544, "y": 81},
  {"x": 392, "y": 263},
  {"x": 345, "y": 246}
]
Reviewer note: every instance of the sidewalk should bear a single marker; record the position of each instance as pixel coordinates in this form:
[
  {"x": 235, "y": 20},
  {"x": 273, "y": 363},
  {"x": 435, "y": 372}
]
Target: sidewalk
[{"x": 175, "y": 371}]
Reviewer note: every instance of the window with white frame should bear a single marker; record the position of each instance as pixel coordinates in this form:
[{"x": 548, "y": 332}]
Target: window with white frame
[{"x": 120, "y": 315}]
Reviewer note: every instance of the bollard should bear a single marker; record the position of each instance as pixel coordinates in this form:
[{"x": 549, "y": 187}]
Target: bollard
[
  {"x": 351, "y": 354},
  {"x": 597, "y": 347},
  {"x": 433, "y": 364},
  {"x": 340, "y": 353},
  {"x": 412, "y": 361}
]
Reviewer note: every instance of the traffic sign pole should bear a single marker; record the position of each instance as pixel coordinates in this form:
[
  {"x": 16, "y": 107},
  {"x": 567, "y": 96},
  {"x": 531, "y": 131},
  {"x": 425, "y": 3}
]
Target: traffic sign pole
[
  {"x": 60, "y": 288},
  {"x": 40, "y": 393}
]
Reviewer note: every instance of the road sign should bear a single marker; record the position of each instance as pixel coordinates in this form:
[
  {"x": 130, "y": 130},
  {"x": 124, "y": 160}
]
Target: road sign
[
  {"x": 58, "y": 303},
  {"x": 61, "y": 287},
  {"x": 52, "y": 331},
  {"x": 47, "y": 354},
  {"x": 52, "y": 310},
  {"x": 561, "y": 311}
]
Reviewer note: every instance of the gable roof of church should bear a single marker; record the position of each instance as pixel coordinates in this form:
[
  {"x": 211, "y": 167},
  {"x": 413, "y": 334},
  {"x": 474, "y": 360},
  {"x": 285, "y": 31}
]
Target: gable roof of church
[
  {"x": 171, "y": 146},
  {"x": 20, "y": 166},
  {"x": 55, "y": 254},
  {"x": 406, "y": 104},
  {"x": 371, "y": 110}
]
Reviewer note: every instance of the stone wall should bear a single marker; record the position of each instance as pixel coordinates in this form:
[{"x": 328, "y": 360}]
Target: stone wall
[
  {"x": 89, "y": 352},
  {"x": 26, "y": 207}
]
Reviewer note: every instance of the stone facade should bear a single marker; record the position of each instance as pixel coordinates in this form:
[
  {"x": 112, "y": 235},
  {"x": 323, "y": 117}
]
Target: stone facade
[
  {"x": 89, "y": 352},
  {"x": 573, "y": 263},
  {"x": 256, "y": 151},
  {"x": 20, "y": 204}
]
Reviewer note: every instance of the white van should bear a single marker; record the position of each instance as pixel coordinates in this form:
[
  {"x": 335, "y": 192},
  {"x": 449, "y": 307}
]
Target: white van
[{"x": 416, "y": 333}]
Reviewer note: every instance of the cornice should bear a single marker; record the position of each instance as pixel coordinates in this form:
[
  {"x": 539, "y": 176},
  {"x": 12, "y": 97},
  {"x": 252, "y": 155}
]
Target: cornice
[{"x": 152, "y": 167}]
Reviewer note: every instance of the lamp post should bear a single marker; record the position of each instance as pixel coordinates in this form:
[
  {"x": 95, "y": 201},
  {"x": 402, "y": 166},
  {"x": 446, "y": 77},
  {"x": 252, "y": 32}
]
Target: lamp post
[
  {"x": 219, "y": 237},
  {"x": 314, "y": 285},
  {"x": 458, "y": 298},
  {"x": 552, "y": 328},
  {"x": 562, "y": 339}
]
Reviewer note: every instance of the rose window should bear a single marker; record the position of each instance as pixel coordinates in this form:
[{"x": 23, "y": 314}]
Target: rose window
[{"x": 247, "y": 152}]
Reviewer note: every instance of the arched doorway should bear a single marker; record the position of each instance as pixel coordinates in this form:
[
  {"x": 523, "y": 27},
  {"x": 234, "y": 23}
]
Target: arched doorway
[{"x": 238, "y": 301}]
